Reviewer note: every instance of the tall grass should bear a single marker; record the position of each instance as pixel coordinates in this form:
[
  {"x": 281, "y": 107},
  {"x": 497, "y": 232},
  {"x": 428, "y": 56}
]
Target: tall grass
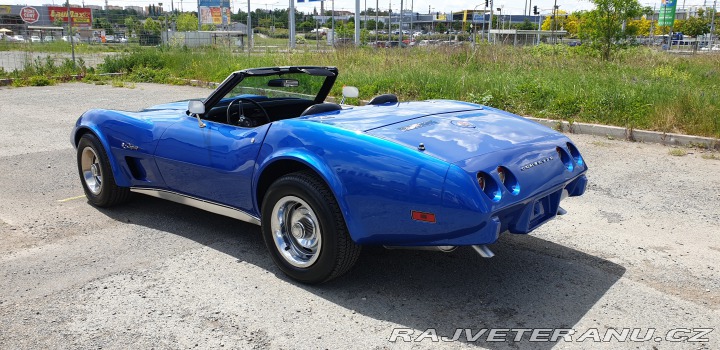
[{"x": 641, "y": 89}]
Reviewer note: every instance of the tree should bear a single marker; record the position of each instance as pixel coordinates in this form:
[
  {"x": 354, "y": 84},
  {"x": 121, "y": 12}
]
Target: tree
[
  {"x": 187, "y": 22},
  {"x": 151, "y": 26},
  {"x": 603, "y": 26},
  {"x": 440, "y": 27},
  {"x": 306, "y": 26},
  {"x": 103, "y": 23},
  {"x": 555, "y": 23},
  {"x": 572, "y": 24},
  {"x": 695, "y": 26},
  {"x": 525, "y": 25},
  {"x": 639, "y": 27},
  {"x": 132, "y": 25}
]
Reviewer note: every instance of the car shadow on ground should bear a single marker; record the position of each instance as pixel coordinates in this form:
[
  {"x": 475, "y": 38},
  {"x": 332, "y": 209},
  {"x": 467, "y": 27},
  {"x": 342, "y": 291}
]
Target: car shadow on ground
[{"x": 530, "y": 283}]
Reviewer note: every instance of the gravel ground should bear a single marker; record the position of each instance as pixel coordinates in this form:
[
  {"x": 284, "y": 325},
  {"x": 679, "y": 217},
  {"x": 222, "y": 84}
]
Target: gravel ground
[
  {"x": 12, "y": 60},
  {"x": 640, "y": 250}
]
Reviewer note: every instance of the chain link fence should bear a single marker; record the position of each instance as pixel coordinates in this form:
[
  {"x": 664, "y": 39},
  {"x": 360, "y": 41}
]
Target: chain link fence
[{"x": 110, "y": 32}]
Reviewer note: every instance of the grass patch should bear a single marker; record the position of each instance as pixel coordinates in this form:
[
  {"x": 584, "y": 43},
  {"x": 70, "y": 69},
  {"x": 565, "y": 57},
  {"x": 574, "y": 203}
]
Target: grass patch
[
  {"x": 711, "y": 156},
  {"x": 640, "y": 89},
  {"x": 678, "y": 152},
  {"x": 66, "y": 47}
]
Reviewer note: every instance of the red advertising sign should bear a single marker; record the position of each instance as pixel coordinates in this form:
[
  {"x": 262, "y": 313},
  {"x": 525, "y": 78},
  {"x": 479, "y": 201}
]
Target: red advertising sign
[
  {"x": 29, "y": 14},
  {"x": 80, "y": 16}
]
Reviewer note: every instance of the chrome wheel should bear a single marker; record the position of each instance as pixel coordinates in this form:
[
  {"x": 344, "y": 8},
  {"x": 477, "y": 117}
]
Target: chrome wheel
[
  {"x": 296, "y": 231},
  {"x": 91, "y": 170}
]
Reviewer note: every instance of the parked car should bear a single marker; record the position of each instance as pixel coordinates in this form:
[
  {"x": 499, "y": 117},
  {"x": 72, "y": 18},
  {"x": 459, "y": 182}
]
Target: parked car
[
  {"x": 715, "y": 47},
  {"x": 49, "y": 39},
  {"x": 395, "y": 44},
  {"x": 322, "y": 180},
  {"x": 19, "y": 38},
  {"x": 35, "y": 39}
]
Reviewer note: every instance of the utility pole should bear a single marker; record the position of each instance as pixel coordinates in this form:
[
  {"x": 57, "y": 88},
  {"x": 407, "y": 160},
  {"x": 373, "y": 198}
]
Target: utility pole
[
  {"x": 652, "y": 26},
  {"x": 554, "y": 23},
  {"x": 491, "y": 19},
  {"x": 712, "y": 23},
  {"x": 482, "y": 28},
  {"x": 357, "y": 22},
  {"x": 412, "y": 14},
  {"x": 400, "y": 25},
  {"x": 70, "y": 33},
  {"x": 249, "y": 29},
  {"x": 291, "y": 23}
]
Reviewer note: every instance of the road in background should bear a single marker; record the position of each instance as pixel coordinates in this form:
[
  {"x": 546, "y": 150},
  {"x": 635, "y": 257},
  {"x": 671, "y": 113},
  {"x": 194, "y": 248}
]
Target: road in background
[{"x": 641, "y": 249}]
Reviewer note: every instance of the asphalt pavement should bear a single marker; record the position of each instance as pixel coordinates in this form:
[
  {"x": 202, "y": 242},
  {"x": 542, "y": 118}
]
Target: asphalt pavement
[{"x": 639, "y": 252}]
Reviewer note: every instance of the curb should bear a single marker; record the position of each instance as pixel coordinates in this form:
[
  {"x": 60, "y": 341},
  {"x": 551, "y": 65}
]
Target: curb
[{"x": 629, "y": 134}]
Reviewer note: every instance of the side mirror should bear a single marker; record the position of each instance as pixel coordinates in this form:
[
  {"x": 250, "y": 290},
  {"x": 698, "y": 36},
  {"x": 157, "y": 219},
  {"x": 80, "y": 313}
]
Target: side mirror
[
  {"x": 349, "y": 92},
  {"x": 196, "y": 107}
]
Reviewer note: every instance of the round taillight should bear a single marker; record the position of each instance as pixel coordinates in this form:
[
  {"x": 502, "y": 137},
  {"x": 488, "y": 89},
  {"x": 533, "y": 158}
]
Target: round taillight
[
  {"x": 575, "y": 154},
  {"x": 481, "y": 182},
  {"x": 508, "y": 180},
  {"x": 565, "y": 158},
  {"x": 489, "y": 186},
  {"x": 501, "y": 174}
]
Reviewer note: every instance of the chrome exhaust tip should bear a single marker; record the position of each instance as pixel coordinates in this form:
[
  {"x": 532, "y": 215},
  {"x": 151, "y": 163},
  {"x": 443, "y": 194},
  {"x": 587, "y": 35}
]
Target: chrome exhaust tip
[{"x": 484, "y": 251}]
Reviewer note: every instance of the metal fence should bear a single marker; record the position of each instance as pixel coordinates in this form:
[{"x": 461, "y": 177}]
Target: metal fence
[{"x": 90, "y": 50}]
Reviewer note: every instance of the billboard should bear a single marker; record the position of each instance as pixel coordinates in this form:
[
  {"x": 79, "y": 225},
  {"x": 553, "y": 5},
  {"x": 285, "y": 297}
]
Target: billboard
[
  {"x": 81, "y": 17},
  {"x": 215, "y": 12},
  {"x": 667, "y": 13},
  {"x": 29, "y": 14}
]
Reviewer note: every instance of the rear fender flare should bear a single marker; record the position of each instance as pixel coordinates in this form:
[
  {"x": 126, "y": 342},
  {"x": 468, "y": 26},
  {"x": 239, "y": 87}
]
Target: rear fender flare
[{"x": 316, "y": 164}]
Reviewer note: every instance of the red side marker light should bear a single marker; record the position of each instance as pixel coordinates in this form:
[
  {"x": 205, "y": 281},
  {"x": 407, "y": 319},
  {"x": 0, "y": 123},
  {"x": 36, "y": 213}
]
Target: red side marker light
[{"x": 422, "y": 216}]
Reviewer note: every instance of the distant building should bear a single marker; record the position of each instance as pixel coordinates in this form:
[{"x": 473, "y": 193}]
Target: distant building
[
  {"x": 138, "y": 9},
  {"x": 94, "y": 7},
  {"x": 111, "y": 7},
  {"x": 153, "y": 10}
]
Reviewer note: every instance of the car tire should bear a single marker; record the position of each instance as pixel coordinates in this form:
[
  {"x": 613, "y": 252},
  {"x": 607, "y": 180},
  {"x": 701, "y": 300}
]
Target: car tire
[
  {"x": 96, "y": 174},
  {"x": 304, "y": 230}
]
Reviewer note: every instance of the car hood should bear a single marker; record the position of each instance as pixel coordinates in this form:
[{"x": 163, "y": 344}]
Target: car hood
[{"x": 449, "y": 130}]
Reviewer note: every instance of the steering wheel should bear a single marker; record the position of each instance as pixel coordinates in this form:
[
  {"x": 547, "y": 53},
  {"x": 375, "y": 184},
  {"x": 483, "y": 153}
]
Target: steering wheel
[{"x": 240, "y": 110}]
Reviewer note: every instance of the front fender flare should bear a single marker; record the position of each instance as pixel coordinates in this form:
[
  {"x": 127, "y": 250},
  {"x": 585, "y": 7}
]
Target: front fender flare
[{"x": 121, "y": 178}]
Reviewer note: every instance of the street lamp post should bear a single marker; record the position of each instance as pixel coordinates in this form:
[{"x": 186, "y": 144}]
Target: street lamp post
[
  {"x": 472, "y": 21},
  {"x": 482, "y": 28},
  {"x": 377, "y": 18},
  {"x": 70, "y": 33},
  {"x": 249, "y": 29},
  {"x": 491, "y": 19},
  {"x": 554, "y": 24}
]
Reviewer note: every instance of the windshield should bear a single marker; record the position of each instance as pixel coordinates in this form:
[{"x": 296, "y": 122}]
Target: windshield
[{"x": 289, "y": 85}]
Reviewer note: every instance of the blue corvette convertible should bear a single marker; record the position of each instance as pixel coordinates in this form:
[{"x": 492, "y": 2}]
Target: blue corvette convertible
[{"x": 321, "y": 179}]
